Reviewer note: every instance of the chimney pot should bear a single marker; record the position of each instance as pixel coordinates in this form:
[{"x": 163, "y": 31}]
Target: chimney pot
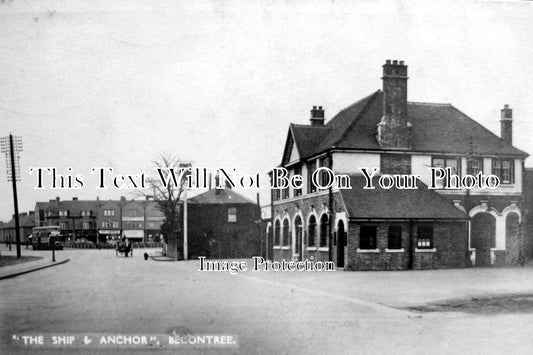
[
  {"x": 393, "y": 129},
  {"x": 506, "y": 124},
  {"x": 317, "y": 116},
  {"x": 387, "y": 61}
]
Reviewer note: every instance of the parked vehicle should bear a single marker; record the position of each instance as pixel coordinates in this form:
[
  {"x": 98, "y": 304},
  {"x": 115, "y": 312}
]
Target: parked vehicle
[{"x": 41, "y": 238}]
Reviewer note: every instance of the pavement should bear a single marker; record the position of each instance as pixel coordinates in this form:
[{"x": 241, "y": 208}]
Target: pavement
[
  {"x": 270, "y": 312},
  {"x": 45, "y": 261}
]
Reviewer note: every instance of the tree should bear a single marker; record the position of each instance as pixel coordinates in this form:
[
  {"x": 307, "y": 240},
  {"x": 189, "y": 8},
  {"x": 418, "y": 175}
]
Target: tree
[{"x": 167, "y": 187}]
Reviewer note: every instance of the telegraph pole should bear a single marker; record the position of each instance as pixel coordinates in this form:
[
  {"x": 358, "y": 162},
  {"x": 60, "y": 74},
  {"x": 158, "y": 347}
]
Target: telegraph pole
[{"x": 11, "y": 145}]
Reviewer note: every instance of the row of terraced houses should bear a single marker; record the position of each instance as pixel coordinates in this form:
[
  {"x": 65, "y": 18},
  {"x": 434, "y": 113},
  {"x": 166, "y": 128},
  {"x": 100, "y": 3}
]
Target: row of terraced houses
[{"x": 99, "y": 221}]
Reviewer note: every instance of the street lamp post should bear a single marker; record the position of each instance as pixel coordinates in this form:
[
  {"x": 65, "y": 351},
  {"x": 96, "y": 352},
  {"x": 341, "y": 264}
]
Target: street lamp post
[{"x": 52, "y": 241}]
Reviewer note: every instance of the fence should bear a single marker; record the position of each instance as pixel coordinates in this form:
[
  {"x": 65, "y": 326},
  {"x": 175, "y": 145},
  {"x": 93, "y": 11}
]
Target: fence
[{"x": 91, "y": 245}]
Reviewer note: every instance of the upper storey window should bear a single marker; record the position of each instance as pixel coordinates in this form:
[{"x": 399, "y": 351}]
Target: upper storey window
[{"x": 503, "y": 168}]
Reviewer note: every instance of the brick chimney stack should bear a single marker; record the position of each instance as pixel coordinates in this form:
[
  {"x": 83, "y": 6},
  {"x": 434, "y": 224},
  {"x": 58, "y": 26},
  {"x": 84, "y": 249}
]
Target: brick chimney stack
[
  {"x": 317, "y": 116},
  {"x": 506, "y": 122},
  {"x": 394, "y": 130}
]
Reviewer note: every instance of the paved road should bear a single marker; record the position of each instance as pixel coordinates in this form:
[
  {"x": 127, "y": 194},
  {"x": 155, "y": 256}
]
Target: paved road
[{"x": 97, "y": 292}]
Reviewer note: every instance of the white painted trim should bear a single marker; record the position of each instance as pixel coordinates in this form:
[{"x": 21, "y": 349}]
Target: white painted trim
[
  {"x": 277, "y": 246},
  {"x": 368, "y": 250},
  {"x": 387, "y": 250},
  {"x": 311, "y": 248},
  {"x": 286, "y": 247},
  {"x": 323, "y": 249},
  {"x": 425, "y": 250},
  {"x": 301, "y": 197}
]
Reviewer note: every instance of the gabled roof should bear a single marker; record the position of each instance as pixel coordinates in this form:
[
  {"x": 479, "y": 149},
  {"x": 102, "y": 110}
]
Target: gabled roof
[
  {"x": 395, "y": 203},
  {"x": 224, "y": 196},
  {"x": 436, "y": 128}
]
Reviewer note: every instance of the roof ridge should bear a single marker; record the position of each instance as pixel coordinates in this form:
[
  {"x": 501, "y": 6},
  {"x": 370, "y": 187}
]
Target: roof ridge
[
  {"x": 356, "y": 119},
  {"x": 487, "y": 130},
  {"x": 429, "y": 103},
  {"x": 355, "y": 103},
  {"x": 299, "y": 125}
]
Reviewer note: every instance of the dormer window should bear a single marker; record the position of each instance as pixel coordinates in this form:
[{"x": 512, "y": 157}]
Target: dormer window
[
  {"x": 63, "y": 213},
  {"x": 474, "y": 166},
  {"x": 447, "y": 162}
]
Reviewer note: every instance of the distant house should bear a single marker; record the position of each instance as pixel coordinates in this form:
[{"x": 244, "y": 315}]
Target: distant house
[
  {"x": 109, "y": 220},
  {"x": 99, "y": 221},
  {"x": 395, "y": 229},
  {"x": 76, "y": 218},
  {"x": 26, "y": 224},
  {"x": 223, "y": 224}
]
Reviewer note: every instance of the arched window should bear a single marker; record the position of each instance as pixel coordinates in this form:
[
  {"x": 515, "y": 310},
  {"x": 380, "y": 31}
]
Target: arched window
[
  {"x": 277, "y": 231},
  {"x": 298, "y": 231},
  {"x": 286, "y": 232},
  {"x": 311, "y": 231},
  {"x": 324, "y": 230}
]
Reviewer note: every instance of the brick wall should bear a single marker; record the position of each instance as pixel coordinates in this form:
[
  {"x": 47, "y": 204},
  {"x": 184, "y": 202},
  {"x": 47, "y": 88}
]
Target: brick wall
[
  {"x": 306, "y": 205},
  {"x": 395, "y": 163},
  {"x": 450, "y": 241}
]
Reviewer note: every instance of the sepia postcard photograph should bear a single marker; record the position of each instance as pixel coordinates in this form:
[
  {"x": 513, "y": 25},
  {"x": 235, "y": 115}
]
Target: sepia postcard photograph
[{"x": 266, "y": 177}]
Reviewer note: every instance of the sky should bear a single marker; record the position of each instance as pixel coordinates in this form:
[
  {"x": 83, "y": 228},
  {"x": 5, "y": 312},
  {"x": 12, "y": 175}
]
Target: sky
[{"x": 115, "y": 83}]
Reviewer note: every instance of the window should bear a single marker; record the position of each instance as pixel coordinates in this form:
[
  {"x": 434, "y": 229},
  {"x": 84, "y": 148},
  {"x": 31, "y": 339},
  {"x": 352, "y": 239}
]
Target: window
[
  {"x": 63, "y": 213},
  {"x": 109, "y": 213},
  {"x": 298, "y": 229},
  {"x": 425, "y": 237},
  {"x": 86, "y": 225},
  {"x": 277, "y": 230},
  {"x": 311, "y": 231},
  {"x": 311, "y": 167},
  {"x": 298, "y": 171},
  {"x": 474, "y": 166},
  {"x": 115, "y": 224},
  {"x": 48, "y": 214},
  {"x": 445, "y": 162},
  {"x": 63, "y": 225},
  {"x": 285, "y": 193},
  {"x": 324, "y": 230},
  {"x": 132, "y": 213},
  {"x": 367, "y": 237},
  {"x": 504, "y": 170},
  {"x": 87, "y": 213},
  {"x": 105, "y": 224},
  {"x": 286, "y": 232},
  {"x": 232, "y": 214},
  {"x": 395, "y": 237},
  {"x": 324, "y": 176},
  {"x": 277, "y": 194}
]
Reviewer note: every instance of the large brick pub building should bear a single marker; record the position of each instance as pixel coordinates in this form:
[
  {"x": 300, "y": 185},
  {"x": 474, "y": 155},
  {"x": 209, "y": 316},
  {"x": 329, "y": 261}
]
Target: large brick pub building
[{"x": 396, "y": 229}]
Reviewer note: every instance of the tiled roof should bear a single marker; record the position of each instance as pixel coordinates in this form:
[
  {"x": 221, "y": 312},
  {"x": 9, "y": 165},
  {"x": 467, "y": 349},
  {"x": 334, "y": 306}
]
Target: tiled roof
[
  {"x": 394, "y": 203},
  {"x": 225, "y": 196},
  {"x": 27, "y": 221},
  {"x": 439, "y": 128}
]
